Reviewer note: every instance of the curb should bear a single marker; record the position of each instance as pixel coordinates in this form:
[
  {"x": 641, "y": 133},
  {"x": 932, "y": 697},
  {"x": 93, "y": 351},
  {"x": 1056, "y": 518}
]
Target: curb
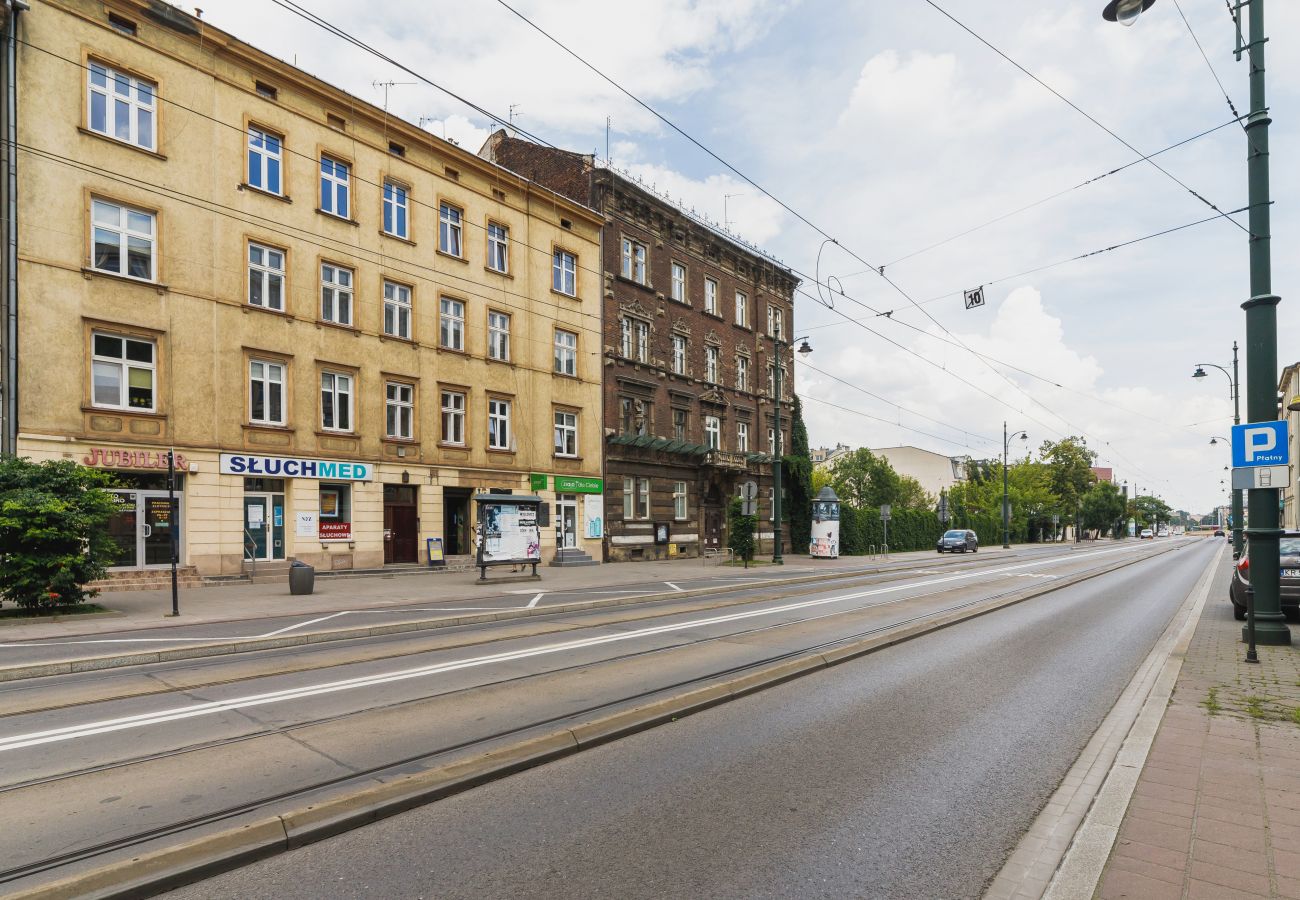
[
  {"x": 234, "y": 646},
  {"x": 201, "y": 857}
]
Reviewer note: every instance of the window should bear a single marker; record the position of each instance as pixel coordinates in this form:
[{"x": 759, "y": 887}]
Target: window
[
  {"x": 679, "y": 500},
  {"x": 711, "y": 296},
  {"x": 453, "y": 417},
  {"x": 399, "y": 410},
  {"x": 499, "y": 424},
  {"x": 122, "y": 372},
  {"x": 679, "y": 354},
  {"x": 742, "y": 437},
  {"x": 564, "y": 273},
  {"x": 635, "y": 416},
  {"x": 395, "y": 210},
  {"x": 712, "y": 432},
  {"x": 265, "y": 277},
  {"x": 679, "y": 424},
  {"x": 265, "y": 392},
  {"x": 742, "y": 309},
  {"x": 498, "y": 237},
  {"x": 634, "y": 260},
  {"x": 771, "y": 442},
  {"x": 451, "y": 324},
  {"x": 335, "y": 401},
  {"x": 396, "y": 149},
  {"x": 636, "y": 339},
  {"x": 335, "y": 512},
  {"x": 566, "y": 352},
  {"x": 771, "y": 381},
  {"x": 679, "y": 282},
  {"x": 711, "y": 365},
  {"x": 775, "y": 322},
  {"x": 449, "y": 229},
  {"x": 122, "y": 24},
  {"x": 334, "y": 187},
  {"x": 123, "y": 240},
  {"x": 335, "y": 294},
  {"x": 566, "y": 434},
  {"x": 120, "y": 106},
  {"x": 636, "y": 498},
  {"x": 742, "y": 373},
  {"x": 397, "y": 310},
  {"x": 265, "y": 90},
  {"x": 265, "y": 155},
  {"x": 498, "y": 336}
]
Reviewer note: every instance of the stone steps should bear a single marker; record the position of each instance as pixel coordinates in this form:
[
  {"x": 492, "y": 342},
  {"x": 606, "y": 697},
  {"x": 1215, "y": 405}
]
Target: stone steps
[
  {"x": 572, "y": 556},
  {"x": 148, "y": 580}
]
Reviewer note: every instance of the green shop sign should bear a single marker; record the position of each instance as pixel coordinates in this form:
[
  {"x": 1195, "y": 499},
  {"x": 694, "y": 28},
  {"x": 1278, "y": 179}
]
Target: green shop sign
[
  {"x": 576, "y": 484},
  {"x": 537, "y": 482}
]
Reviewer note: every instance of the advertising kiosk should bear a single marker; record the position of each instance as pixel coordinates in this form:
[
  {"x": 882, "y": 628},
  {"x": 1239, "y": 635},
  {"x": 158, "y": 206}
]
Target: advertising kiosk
[
  {"x": 825, "y": 526},
  {"x": 509, "y": 531}
]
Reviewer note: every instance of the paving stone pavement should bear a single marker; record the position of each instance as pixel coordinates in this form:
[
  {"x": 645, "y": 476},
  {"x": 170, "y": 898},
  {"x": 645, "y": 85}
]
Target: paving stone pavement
[{"x": 1216, "y": 810}]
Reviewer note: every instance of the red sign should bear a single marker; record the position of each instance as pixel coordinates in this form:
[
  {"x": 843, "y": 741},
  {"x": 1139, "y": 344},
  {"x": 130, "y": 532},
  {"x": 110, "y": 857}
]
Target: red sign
[
  {"x": 336, "y": 531},
  {"x": 108, "y": 458}
]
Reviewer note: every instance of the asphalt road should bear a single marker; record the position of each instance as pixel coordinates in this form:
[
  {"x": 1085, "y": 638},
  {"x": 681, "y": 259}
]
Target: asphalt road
[
  {"x": 122, "y": 762},
  {"x": 909, "y": 773}
]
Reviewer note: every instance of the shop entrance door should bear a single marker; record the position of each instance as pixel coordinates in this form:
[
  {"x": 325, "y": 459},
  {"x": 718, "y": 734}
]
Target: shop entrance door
[
  {"x": 455, "y": 521},
  {"x": 401, "y": 524},
  {"x": 566, "y": 521},
  {"x": 142, "y": 529},
  {"x": 264, "y": 526}
]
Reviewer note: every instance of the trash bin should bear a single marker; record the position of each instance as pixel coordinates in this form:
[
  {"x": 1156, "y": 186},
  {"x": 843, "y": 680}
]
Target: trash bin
[{"x": 302, "y": 578}]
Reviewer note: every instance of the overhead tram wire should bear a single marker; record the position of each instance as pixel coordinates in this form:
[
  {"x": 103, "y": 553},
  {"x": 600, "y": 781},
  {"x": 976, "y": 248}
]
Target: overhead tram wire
[
  {"x": 1067, "y": 101},
  {"x": 1209, "y": 65},
  {"x": 889, "y": 422},
  {"x": 311, "y": 17}
]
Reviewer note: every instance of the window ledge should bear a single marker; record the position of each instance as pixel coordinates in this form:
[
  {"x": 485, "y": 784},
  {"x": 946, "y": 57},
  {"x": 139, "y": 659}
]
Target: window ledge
[
  {"x": 245, "y": 186},
  {"x": 445, "y": 254},
  {"x": 89, "y": 272},
  {"x": 325, "y": 323},
  {"x": 442, "y": 349},
  {"x": 567, "y": 376},
  {"x": 250, "y": 307},
  {"x": 410, "y": 342},
  {"x": 267, "y": 426},
  {"x": 502, "y": 451},
  {"x": 510, "y": 363},
  {"x": 337, "y": 218},
  {"x": 400, "y": 441},
  {"x": 562, "y": 294},
  {"x": 712, "y": 315},
  {"x": 396, "y": 237},
  {"x": 566, "y": 457},
  {"x": 325, "y": 432},
  {"x": 122, "y": 411},
  {"x": 112, "y": 140},
  {"x": 443, "y": 445},
  {"x": 498, "y": 272},
  {"x": 634, "y": 283}
]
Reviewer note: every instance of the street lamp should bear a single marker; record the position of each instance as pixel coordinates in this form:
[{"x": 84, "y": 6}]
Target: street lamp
[
  {"x": 1235, "y": 388},
  {"x": 804, "y": 350},
  {"x": 1006, "y": 507},
  {"x": 1261, "y": 320}
]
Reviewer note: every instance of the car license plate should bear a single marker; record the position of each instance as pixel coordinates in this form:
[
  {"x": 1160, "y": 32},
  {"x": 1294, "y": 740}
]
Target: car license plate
[{"x": 1291, "y": 573}]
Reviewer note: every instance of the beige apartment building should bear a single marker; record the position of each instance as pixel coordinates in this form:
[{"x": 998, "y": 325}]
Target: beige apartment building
[{"x": 343, "y": 326}]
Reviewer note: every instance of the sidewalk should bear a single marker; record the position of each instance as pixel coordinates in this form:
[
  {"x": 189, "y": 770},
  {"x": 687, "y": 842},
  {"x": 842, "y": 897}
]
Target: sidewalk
[{"x": 1216, "y": 810}]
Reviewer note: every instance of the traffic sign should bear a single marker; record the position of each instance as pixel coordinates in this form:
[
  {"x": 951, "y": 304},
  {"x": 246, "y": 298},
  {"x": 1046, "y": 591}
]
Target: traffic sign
[
  {"x": 974, "y": 297},
  {"x": 1260, "y": 444},
  {"x": 1250, "y": 477},
  {"x": 884, "y": 512},
  {"x": 944, "y": 515},
  {"x": 748, "y": 490}
]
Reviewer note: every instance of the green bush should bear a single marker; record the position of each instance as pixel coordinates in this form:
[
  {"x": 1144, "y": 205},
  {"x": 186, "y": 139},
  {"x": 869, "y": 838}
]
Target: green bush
[
  {"x": 740, "y": 530},
  {"x": 53, "y": 531}
]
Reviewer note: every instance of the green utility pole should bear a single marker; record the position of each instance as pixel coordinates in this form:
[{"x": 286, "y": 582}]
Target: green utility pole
[
  {"x": 1261, "y": 340},
  {"x": 777, "y": 559}
]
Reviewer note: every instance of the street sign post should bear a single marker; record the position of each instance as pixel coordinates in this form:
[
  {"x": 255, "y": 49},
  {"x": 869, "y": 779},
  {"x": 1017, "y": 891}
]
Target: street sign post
[
  {"x": 884, "y": 523},
  {"x": 944, "y": 515},
  {"x": 1252, "y": 477},
  {"x": 749, "y": 498}
]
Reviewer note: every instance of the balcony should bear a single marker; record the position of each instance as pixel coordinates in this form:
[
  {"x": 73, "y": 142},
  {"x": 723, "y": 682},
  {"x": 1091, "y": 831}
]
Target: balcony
[{"x": 725, "y": 459}]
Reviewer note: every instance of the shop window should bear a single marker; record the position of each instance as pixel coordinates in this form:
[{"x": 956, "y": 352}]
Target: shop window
[{"x": 335, "y": 512}]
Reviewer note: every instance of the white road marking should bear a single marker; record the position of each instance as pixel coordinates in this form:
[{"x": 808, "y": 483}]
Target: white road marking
[
  {"x": 673, "y": 586},
  {"x": 533, "y": 602},
  {"x": 105, "y": 726},
  {"x": 303, "y": 624}
]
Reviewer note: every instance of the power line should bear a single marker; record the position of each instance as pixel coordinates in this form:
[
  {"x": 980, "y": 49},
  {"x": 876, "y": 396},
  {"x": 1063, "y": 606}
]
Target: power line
[
  {"x": 1232, "y": 106},
  {"x": 865, "y": 415}
]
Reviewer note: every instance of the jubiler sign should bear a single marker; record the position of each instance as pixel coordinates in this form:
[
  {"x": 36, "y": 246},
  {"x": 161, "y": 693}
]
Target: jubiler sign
[{"x": 291, "y": 467}]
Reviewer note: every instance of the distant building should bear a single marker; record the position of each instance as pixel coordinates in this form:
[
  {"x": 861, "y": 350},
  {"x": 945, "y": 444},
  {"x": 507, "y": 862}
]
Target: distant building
[
  {"x": 934, "y": 471},
  {"x": 1103, "y": 474},
  {"x": 822, "y": 456},
  {"x": 1288, "y": 387}
]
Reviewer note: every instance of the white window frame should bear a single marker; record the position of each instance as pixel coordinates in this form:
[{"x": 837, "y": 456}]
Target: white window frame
[
  {"x": 712, "y": 363},
  {"x": 266, "y": 274},
  {"x": 335, "y": 186},
  {"x": 679, "y": 282},
  {"x": 742, "y": 373},
  {"x": 679, "y": 354},
  {"x": 742, "y": 437},
  {"x": 713, "y": 432},
  {"x": 451, "y": 324},
  {"x": 399, "y": 410},
  {"x": 338, "y": 386},
  {"x": 636, "y": 498},
  {"x": 498, "y": 248},
  {"x": 265, "y": 160},
  {"x": 336, "y": 293},
  {"x": 125, "y": 233},
  {"x": 634, "y": 260},
  {"x": 124, "y": 367},
  {"x": 775, "y": 322},
  {"x": 453, "y": 417},
  {"x": 566, "y": 352},
  {"x": 397, "y": 310},
  {"x": 498, "y": 424},
  {"x": 137, "y": 105},
  {"x": 271, "y": 379},
  {"x": 711, "y": 295},
  {"x": 564, "y": 273},
  {"x": 643, "y": 498},
  {"x": 397, "y": 210},
  {"x": 451, "y": 230},
  {"x": 680, "y": 496},
  {"x": 566, "y": 433},
  {"x": 742, "y": 309},
  {"x": 498, "y": 336}
]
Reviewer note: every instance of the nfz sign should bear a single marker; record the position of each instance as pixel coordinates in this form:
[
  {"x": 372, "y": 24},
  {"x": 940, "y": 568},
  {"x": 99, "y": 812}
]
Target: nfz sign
[{"x": 1260, "y": 444}]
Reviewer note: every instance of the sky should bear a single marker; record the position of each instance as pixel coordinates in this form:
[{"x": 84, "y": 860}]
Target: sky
[{"x": 891, "y": 129}]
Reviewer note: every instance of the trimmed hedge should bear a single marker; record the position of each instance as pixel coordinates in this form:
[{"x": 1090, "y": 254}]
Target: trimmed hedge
[{"x": 909, "y": 529}]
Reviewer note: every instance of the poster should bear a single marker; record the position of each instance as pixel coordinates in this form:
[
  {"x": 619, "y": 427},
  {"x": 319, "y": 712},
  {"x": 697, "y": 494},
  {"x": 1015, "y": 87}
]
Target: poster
[
  {"x": 306, "y": 525},
  {"x": 329, "y": 504},
  {"x": 593, "y": 516},
  {"x": 256, "y": 512},
  {"x": 509, "y": 533},
  {"x": 336, "y": 531}
]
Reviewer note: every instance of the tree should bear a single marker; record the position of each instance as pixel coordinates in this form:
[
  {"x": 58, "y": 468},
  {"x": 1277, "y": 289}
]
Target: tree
[
  {"x": 1103, "y": 506},
  {"x": 911, "y": 495},
  {"x": 740, "y": 530},
  {"x": 1069, "y": 465},
  {"x": 866, "y": 480},
  {"x": 53, "y": 531},
  {"x": 799, "y": 481}
]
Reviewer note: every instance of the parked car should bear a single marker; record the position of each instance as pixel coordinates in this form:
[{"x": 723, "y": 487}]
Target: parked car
[
  {"x": 1146, "y": 533},
  {"x": 958, "y": 540},
  {"x": 1218, "y": 532},
  {"x": 1289, "y": 547}
]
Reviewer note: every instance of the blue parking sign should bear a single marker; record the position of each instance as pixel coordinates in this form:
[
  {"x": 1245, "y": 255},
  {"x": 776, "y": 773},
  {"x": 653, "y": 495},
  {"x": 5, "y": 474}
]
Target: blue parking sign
[{"x": 1260, "y": 444}]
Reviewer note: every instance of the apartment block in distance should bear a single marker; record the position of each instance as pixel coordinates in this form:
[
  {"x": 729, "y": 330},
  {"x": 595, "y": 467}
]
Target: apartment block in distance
[
  {"x": 696, "y": 327},
  {"x": 343, "y": 326}
]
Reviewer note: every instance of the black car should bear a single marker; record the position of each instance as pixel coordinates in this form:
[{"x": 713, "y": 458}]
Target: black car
[
  {"x": 958, "y": 541},
  {"x": 1218, "y": 532},
  {"x": 1289, "y": 545}
]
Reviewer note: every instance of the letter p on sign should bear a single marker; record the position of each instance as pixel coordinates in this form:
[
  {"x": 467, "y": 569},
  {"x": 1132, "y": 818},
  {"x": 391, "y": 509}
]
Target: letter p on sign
[{"x": 1260, "y": 444}]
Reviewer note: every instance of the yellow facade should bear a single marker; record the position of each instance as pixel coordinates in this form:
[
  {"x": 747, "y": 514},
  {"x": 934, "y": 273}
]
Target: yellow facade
[{"x": 190, "y": 299}]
